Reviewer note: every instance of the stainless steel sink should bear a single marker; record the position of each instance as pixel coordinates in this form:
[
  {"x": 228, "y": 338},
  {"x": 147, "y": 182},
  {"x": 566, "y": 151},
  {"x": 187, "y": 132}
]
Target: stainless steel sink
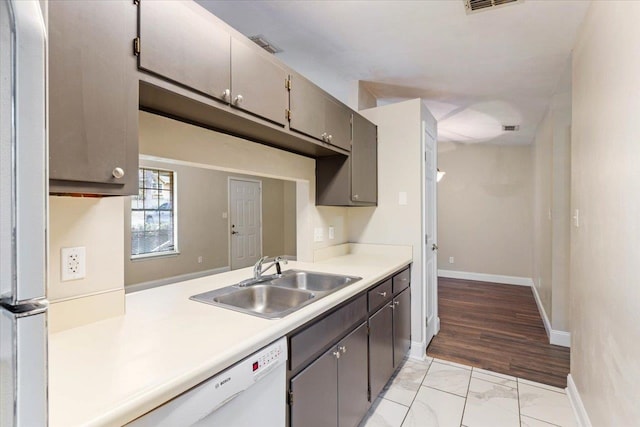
[
  {"x": 281, "y": 295},
  {"x": 271, "y": 302},
  {"x": 311, "y": 281}
]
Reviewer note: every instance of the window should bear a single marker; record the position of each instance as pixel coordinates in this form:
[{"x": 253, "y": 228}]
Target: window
[{"x": 153, "y": 219}]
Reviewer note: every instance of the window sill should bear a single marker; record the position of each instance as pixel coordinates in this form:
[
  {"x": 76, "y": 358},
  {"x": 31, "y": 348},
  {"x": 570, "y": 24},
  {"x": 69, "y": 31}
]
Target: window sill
[{"x": 143, "y": 257}]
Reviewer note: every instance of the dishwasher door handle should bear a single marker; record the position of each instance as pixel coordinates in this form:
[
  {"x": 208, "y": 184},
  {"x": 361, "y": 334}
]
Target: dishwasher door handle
[{"x": 224, "y": 402}]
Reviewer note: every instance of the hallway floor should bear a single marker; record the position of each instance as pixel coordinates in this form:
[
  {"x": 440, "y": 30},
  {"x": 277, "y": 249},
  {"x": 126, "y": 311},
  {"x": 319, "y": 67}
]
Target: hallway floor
[
  {"x": 437, "y": 393},
  {"x": 496, "y": 327}
]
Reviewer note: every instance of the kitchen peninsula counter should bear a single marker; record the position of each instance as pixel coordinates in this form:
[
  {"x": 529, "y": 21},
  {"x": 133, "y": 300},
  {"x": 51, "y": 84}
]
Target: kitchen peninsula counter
[{"x": 113, "y": 371}]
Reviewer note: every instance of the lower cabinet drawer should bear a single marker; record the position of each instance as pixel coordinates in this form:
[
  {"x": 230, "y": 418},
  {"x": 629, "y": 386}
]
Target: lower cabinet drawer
[
  {"x": 402, "y": 280},
  {"x": 379, "y": 295},
  {"x": 310, "y": 341}
]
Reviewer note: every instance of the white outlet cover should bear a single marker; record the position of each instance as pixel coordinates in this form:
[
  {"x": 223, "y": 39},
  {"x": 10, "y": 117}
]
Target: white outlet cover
[
  {"x": 73, "y": 263},
  {"x": 318, "y": 234},
  {"x": 402, "y": 198},
  {"x": 451, "y": 260},
  {"x": 332, "y": 233}
]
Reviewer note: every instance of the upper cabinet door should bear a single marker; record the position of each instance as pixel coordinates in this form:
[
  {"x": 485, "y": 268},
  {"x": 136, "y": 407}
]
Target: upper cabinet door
[
  {"x": 307, "y": 105},
  {"x": 364, "y": 161},
  {"x": 258, "y": 83},
  {"x": 181, "y": 41},
  {"x": 337, "y": 123},
  {"x": 93, "y": 97}
]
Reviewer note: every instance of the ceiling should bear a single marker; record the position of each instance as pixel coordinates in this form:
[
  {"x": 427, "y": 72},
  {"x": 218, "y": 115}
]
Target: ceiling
[{"x": 475, "y": 71}]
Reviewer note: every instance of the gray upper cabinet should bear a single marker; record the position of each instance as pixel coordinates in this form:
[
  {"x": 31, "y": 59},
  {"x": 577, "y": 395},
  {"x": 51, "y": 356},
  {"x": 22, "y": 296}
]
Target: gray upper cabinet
[
  {"x": 316, "y": 114},
  {"x": 352, "y": 180},
  {"x": 182, "y": 41},
  {"x": 364, "y": 161},
  {"x": 93, "y": 98},
  {"x": 258, "y": 83}
]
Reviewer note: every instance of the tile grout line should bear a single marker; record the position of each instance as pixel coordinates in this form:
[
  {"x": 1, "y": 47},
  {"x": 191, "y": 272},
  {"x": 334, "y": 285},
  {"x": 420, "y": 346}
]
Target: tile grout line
[
  {"x": 519, "y": 410},
  {"x": 541, "y": 388},
  {"x": 466, "y": 398},
  {"x": 416, "y": 395}
]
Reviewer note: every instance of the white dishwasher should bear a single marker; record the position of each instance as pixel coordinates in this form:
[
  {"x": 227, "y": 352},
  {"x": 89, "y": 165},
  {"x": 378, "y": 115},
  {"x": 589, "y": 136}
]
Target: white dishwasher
[{"x": 250, "y": 393}]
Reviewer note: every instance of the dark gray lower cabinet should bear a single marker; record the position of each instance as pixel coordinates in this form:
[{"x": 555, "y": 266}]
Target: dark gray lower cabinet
[
  {"x": 380, "y": 348},
  {"x": 332, "y": 391},
  {"x": 401, "y": 326},
  {"x": 353, "y": 400},
  {"x": 314, "y": 399}
]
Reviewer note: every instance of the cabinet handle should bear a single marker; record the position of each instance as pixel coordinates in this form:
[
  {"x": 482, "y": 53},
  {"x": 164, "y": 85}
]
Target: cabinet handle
[
  {"x": 238, "y": 100},
  {"x": 342, "y": 348},
  {"x": 329, "y": 138},
  {"x": 396, "y": 303},
  {"x": 324, "y": 137},
  {"x": 336, "y": 354},
  {"x": 355, "y": 197},
  {"x": 382, "y": 294},
  {"x": 392, "y": 305},
  {"x": 225, "y": 95},
  {"x": 118, "y": 173}
]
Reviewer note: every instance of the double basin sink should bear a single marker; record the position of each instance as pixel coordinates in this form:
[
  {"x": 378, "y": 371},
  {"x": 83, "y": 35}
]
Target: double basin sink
[{"x": 273, "y": 297}]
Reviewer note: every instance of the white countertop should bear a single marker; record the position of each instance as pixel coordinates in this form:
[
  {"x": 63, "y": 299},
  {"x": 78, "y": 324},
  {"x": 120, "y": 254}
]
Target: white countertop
[{"x": 111, "y": 372}]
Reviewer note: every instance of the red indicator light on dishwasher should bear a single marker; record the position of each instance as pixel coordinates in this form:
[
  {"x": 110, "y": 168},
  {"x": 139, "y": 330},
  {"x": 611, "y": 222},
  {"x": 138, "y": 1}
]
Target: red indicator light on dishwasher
[{"x": 255, "y": 366}]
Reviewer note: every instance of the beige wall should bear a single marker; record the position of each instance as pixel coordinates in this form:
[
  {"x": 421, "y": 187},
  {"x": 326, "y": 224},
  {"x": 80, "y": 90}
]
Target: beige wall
[
  {"x": 289, "y": 218},
  {"x": 96, "y": 224},
  {"x": 484, "y": 209},
  {"x": 202, "y": 198},
  {"x": 605, "y": 183},
  {"x": 167, "y": 138},
  {"x": 399, "y": 170}
]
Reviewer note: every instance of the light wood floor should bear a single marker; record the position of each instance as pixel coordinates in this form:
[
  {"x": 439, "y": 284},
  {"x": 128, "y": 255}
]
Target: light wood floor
[{"x": 496, "y": 327}]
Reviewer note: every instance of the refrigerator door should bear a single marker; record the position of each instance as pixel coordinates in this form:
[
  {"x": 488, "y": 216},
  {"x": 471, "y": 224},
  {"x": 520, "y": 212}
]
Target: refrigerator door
[
  {"x": 23, "y": 363},
  {"x": 23, "y": 174},
  {"x": 23, "y": 210}
]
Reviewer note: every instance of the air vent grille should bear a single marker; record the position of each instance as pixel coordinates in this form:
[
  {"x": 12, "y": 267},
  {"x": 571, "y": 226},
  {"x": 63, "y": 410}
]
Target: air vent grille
[
  {"x": 510, "y": 128},
  {"x": 261, "y": 41},
  {"x": 478, "y": 5}
]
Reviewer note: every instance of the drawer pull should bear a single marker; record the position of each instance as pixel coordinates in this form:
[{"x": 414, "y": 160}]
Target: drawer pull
[
  {"x": 336, "y": 354},
  {"x": 382, "y": 294},
  {"x": 118, "y": 173},
  {"x": 342, "y": 348}
]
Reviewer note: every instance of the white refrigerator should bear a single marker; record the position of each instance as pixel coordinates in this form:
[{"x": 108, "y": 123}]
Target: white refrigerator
[{"x": 23, "y": 215}]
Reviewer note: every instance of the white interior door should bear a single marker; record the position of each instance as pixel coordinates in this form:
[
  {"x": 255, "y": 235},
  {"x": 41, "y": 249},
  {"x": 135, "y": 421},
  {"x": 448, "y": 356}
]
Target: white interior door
[
  {"x": 245, "y": 219},
  {"x": 430, "y": 230}
]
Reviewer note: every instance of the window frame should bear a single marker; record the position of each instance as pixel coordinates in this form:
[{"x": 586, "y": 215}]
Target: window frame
[{"x": 174, "y": 209}]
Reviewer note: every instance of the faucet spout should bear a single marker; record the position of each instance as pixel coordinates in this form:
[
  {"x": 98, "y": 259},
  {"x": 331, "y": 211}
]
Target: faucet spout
[{"x": 258, "y": 270}]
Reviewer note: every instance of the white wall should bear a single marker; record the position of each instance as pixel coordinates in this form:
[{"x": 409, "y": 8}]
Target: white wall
[
  {"x": 605, "y": 183},
  {"x": 484, "y": 209},
  {"x": 399, "y": 170}
]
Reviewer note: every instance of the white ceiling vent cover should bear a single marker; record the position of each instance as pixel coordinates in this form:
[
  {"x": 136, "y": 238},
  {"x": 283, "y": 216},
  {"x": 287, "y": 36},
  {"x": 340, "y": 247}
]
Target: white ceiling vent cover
[{"x": 479, "y": 5}]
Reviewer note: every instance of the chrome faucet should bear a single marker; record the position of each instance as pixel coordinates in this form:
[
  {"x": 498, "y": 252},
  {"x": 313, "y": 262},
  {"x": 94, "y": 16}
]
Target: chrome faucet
[{"x": 258, "y": 270}]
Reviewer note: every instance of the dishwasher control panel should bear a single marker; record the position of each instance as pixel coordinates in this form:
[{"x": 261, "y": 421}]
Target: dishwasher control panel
[{"x": 269, "y": 356}]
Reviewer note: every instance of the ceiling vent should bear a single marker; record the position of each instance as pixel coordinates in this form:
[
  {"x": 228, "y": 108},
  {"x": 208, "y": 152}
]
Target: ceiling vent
[
  {"x": 479, "y": 5},
  {"x": 261, "y": 41},
  {"x": 510, "y": 128}
]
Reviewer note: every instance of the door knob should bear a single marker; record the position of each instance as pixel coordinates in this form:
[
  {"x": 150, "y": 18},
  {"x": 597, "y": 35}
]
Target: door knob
[
  {"x": 434, "y": 247},
  {"x": 234, "y": 232}
]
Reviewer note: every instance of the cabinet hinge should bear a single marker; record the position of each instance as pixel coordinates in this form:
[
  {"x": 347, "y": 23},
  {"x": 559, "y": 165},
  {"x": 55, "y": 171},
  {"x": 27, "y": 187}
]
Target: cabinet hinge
[
  {"x": 287, "y": 83},
  {"x": 287, "y": 114},
  {"x": 136, "y": 46},
  {"x": 290, "y": 398}
]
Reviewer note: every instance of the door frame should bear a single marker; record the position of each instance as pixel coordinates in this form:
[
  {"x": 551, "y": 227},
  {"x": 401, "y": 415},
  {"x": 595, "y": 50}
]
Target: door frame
[{"x": 236, "y": 178}]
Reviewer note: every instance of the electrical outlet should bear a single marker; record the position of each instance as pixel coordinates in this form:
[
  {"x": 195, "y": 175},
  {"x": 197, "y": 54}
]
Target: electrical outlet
[
  {"x": 73, "y": 263},
  {"x": 318, "y": 234},
  {"x": 332, "y": 233},
  {"x": 451, "y": 260},
  {"x": 200, "y": 259}
]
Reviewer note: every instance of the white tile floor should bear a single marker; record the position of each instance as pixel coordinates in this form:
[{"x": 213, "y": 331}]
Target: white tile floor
[{"x": 437, "y": 393}]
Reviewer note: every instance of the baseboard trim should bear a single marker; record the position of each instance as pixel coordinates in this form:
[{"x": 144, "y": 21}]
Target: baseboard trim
[
  {"x": 418, "y": 350},
  {"x": 482, "y": 277},
  {"x": 556, "y": 337},
  {"x": 173, "y": 279},
  {"x": 575, "y": 400}
]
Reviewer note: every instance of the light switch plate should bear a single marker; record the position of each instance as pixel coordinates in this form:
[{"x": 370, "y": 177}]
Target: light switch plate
[
  {"x": 318, "y": 234},
  {"x": 402, "y": 198},
  {"x": 332, "y": 233},
  {"x": 73, "y": 263}
]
